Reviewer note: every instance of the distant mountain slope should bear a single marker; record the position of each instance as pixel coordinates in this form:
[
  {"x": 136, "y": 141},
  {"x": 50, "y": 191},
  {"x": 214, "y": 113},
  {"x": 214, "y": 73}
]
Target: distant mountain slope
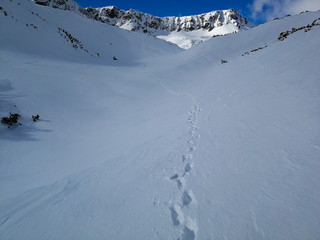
[
  {"x": 66, "y": 35},
  {"x": 183, "y": 31}
]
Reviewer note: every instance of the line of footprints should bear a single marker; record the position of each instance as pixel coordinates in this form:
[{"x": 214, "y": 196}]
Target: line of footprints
[{"x": 186, "y": 197}]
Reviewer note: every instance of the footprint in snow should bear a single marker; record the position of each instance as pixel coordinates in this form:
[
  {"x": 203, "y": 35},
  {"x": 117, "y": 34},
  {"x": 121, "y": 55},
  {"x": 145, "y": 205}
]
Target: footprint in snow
[
  {"x": 187, "y": 198},
  {"x": 177, "y": 215},
  {"x": 188, "y": 168}
]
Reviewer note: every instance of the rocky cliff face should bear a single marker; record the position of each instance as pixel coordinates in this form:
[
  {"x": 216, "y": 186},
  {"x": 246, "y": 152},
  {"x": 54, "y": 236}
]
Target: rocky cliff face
[
  {"x": 174, "y": 29},
  {"x": 60, "y": 4},
  {"x": 135, "y": 21}
]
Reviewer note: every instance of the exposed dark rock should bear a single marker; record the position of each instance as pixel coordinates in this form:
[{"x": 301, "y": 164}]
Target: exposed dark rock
[
  {"x": 306, "y": 28},
  {"x": 11, "y": 120}
]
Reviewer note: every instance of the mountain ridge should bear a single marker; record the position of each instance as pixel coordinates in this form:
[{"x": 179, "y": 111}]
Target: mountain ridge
[{"x": 185, "y": 31}]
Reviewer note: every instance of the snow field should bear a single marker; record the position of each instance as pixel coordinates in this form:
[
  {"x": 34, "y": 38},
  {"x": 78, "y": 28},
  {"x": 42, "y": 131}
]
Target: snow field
[{"x": 162, "y": 143}]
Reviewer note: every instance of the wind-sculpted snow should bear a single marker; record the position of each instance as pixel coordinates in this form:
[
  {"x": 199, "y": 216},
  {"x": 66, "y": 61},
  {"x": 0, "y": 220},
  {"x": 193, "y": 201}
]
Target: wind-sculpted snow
[{"x": 163, "y": 143}]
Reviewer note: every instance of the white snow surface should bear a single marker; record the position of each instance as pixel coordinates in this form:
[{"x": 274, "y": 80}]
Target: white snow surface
[
  {"x": 162, "y": 143},
  {"x": 187, "y": 40}
]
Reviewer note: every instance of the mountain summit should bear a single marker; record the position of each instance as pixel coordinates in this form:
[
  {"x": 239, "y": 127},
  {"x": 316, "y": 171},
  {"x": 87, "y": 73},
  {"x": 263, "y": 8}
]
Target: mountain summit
[{"x": 184, "y": 31}]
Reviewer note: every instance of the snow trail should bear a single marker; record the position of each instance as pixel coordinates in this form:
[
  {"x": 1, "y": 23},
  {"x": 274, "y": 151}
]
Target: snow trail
[{"x": 185, "y": 197}]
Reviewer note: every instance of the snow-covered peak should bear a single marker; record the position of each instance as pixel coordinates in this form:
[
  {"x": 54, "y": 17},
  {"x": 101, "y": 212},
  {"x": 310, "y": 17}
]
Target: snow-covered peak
[
  {"x": 184, "y": 31},
  {"x": 143, "y": 21}
]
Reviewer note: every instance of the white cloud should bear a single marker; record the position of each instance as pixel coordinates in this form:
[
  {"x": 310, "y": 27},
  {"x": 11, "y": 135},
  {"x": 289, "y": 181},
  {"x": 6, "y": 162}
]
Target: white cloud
[{"x": 269, "y": 9}]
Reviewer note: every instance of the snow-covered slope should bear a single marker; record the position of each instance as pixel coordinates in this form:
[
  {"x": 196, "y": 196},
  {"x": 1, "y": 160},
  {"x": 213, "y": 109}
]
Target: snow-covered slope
[
  {"x": 161, "y": 143},
  {"x": 56, "y": 34},
  {"x": 184, "y": 31}
]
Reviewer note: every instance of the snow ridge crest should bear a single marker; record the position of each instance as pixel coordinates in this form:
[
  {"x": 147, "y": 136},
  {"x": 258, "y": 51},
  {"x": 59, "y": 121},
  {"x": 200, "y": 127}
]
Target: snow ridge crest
[{"x": 184, "y": 31}]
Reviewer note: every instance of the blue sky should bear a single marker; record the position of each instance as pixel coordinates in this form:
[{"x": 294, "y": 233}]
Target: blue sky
[{"x": 256, "y": 11}]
